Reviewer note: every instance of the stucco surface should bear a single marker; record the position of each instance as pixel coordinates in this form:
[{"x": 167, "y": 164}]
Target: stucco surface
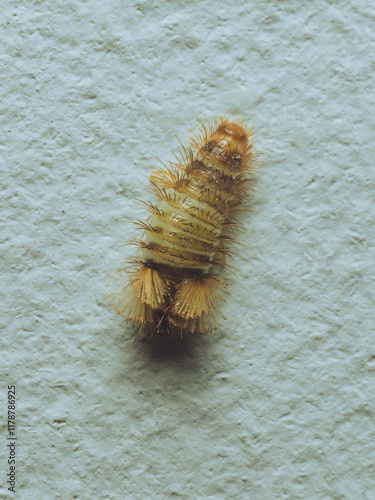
[{"x": 279, "y": 403}]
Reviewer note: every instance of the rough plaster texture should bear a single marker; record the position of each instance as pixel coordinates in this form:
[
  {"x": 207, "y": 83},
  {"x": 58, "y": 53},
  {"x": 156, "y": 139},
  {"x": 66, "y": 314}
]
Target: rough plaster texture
[{"x": 279, "y": 404}]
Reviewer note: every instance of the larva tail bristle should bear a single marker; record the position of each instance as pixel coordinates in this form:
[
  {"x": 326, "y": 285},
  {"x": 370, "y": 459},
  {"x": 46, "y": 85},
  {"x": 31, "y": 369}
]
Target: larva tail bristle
[
  {"x": 142, "y": 298},
  {"x": 151, "y": 288},
  {"x": 195, "y": 303},
  {"x": 180, "y": 328}
]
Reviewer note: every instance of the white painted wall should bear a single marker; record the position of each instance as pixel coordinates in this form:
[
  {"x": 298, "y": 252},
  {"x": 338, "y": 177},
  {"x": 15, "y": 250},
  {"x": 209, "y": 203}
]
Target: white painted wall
[{"x": 279, "y": 404}]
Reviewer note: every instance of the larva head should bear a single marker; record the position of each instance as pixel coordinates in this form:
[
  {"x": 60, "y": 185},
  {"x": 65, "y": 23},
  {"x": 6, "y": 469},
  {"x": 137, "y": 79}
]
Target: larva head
[
  {"x": 226, "y": 146},
  {"x": 232, "y": 131}
]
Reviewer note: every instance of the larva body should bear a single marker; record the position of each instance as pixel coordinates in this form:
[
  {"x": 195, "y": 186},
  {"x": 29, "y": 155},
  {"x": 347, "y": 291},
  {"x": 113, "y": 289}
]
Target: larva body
[{"x": 174, "y": 288}]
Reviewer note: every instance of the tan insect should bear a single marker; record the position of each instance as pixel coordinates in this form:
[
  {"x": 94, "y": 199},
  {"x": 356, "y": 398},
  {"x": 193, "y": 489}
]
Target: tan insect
[{"x": 175, "y": 286}]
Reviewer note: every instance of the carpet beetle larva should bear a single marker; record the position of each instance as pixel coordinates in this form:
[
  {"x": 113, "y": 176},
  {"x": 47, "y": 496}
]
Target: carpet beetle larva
[{"x": 173, "y": 288}]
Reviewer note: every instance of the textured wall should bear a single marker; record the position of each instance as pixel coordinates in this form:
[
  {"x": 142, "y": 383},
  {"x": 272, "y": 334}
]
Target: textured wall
[{"x": 279, "y": 404}]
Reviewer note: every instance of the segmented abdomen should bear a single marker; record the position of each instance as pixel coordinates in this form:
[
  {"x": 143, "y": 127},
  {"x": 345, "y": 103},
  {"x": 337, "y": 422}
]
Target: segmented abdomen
[{"x": 175, "y": 289}]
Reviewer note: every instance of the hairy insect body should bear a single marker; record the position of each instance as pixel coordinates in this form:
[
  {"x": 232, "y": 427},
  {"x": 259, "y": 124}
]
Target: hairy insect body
[{"x": 174, "y": 288}]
